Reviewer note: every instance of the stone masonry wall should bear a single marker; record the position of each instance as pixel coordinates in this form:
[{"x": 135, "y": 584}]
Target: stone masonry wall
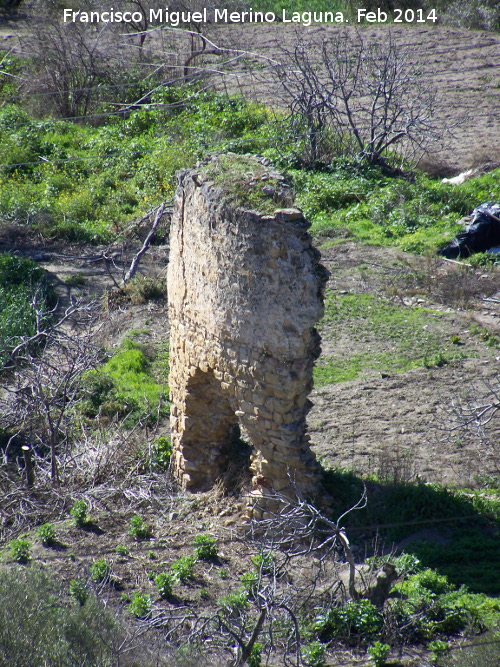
[{"x": 245, "y": 291}]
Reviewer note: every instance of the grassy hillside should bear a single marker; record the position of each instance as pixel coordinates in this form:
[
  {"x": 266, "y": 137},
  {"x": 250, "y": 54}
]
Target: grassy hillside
[
  {"x": 81, "y": 183},
  {"x": 112, "y": 549}
]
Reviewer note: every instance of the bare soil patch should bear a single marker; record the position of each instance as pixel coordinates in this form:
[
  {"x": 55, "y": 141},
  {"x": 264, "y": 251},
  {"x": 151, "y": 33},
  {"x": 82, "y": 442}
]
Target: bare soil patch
[{"x": 389, "y": 423}]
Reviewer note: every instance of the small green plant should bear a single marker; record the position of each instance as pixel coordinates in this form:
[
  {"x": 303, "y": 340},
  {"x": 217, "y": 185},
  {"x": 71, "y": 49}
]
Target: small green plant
[
  {"x": 204, "y": 594},
  {"x": 455, "y": 340},
  {"x": 378, "y": 653},
  {"x": 47, "y": 534},
  {"x": 438, "y": 648},
  {"x": 205, "y": 547},
  {"x": 124, "y": 597},
  {"x": 255, "y": 657},
  {"x": 314, "y": 654},
  {"x": 233, "y": 602},
  {"x": 99, "y": 570},
  {"x": 264, "y": 562},
  {"x": 183, "y": 568},
  {"x": 248, "y": 580},
  {"x": 151, "y": 555},
  {"x": 80, "y": 513},
  {"x": 223, "y": 573},
  {"x": 77, "y": 280},
  {"x": 140, "y": 605},
  {"x": 20, "y": 550},
  {"x": 139, "y": 530},
  {"x": 122, "y": 550},
  {"x": 78, "y": 590},
  {"x": 161, "y": 451},
  {"x": 492, "y": 341},
  {"x": 165, "y": 583}
]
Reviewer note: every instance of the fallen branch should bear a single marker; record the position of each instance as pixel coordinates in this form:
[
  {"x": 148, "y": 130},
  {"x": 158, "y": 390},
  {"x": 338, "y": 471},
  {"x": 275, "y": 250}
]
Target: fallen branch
[{"x": 135, "y": 262}]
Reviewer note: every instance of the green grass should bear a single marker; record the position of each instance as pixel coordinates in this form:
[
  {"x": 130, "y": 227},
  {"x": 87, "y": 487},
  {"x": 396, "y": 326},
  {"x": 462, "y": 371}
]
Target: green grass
[
  {"x": 127, "y": 385},
  {"x": 92, "y": 181},
  {"x": 414, "y": 216},
  {"x": 24, "y": 289},
  {"x": 116, "y": 172},
  {"x": 394, "y": 338}
]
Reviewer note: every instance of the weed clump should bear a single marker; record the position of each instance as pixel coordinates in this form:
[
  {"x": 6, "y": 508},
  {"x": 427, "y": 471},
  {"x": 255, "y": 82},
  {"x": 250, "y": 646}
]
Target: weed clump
[
  {"x": 205, "y": 547},
  {"x": 183, "y": 568},
  {"x": 20, "y": 550},
  {"x": 47, "y": 534},
  {"x": 140, "y": 605},
  {"x": 80, "y": 514},
  {"x": 165, "y": 583},
  {"x": 139, "y": 530},
  {"x": 100, "y": 570},
  {"x": 78, "y": 590}
]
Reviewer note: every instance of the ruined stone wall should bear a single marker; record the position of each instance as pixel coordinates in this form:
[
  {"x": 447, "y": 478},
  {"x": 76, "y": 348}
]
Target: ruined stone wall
[{"x": 245, "y": 291}]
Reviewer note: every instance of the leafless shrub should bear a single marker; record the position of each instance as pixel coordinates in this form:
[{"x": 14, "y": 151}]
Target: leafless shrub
[
  {"x": 353, "y": 96},
  {"x": 395, "y": 465},
  {"x": 70, "y": 60},
  {"x": 451, "y": 284},
  {"x": 47, "y": 370},
  {"x": 297, "y": 565}
]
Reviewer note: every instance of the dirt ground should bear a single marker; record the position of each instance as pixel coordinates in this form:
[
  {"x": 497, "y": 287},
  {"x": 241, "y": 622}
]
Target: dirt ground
[
  {"x": 383, "y": 423},
  {"x": 378, "y": 423}
]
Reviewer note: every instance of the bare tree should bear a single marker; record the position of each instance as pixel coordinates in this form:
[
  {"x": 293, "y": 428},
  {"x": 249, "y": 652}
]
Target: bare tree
[
  {"x": 350, "y": 95},
  {"x": 47, "y": 371}
]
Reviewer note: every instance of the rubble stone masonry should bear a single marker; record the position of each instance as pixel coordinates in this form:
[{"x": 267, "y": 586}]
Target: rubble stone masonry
[{"x": 245, "y": 291}]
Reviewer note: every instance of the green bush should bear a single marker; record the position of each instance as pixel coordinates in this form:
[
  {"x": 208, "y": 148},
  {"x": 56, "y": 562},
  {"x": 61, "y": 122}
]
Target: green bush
[
  {"x": 359, "y": 618},
  {"x": 122, "y": 550},
  {"x": 140, "y": 605},
  {"x": 38, "y": 627},
  {"x": 263, "y": 562},
  {"x": 79, "y": 514},
  {"x": 100, "y": 570},
  {"x": 378, "y": 653},
  {"x": 313, "y": 654},
  {"x": 233, "y": 602},
  {"x": 183, "y": 568},
  {"x": 249, "y": 581},
  {"x": 20, "y": 550},
  {"x": 165, "y": 583},
  {"x": 255, "y": 657},
  {"x": 438, "y": 648},
  {"x": 78, "y": 590},
  {"x": 205, "y": 547},
  {"x": 161, "y": 451},
  {"x": 47, "y": 534},
  {"x": 20, "y": 280},
  {"x": 139, "y": 530}
]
